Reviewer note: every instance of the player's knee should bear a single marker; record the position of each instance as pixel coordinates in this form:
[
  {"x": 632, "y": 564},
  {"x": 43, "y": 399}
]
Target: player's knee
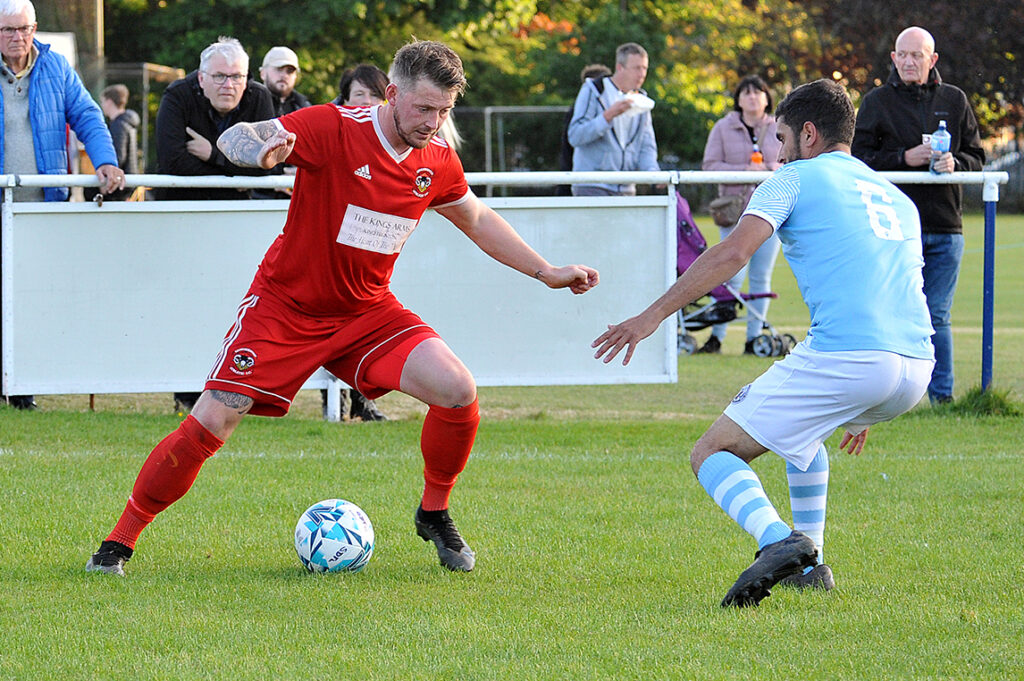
[
  {"x": 699, "y": 454},
  {"x": 219, "y": 418},
  {"x": 459, "y": 391}
]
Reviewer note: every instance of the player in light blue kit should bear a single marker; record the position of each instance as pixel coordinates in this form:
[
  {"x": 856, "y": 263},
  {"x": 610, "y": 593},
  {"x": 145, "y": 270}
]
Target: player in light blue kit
[{"x": 853, "y": 241}]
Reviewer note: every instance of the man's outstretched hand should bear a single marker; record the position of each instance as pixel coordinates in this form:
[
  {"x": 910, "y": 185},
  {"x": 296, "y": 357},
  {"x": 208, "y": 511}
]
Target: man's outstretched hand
[{"x": 625, "y": 335}]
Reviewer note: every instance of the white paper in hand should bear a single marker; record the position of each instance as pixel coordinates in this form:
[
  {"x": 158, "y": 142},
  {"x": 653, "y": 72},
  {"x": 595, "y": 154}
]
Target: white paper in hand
[{"x": 640, "y": 103}]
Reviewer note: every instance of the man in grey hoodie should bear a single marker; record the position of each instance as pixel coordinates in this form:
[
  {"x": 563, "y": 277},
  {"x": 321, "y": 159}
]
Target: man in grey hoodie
[{"x": 611, "y": 125}]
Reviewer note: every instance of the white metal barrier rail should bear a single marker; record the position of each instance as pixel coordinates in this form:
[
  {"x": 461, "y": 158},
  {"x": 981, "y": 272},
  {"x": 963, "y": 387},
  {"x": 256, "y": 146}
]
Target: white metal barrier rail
[
  {"x": 988, "y": 179},
  {"x": 134, "y": 297}
]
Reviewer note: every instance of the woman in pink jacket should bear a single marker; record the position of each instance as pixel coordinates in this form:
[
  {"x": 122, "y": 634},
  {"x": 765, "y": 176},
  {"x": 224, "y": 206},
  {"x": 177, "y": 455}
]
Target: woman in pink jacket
[{"x": 745, "y": 140}]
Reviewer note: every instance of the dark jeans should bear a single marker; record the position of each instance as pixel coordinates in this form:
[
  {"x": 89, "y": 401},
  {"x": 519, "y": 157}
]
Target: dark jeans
[{"x": 942, "y": 254}]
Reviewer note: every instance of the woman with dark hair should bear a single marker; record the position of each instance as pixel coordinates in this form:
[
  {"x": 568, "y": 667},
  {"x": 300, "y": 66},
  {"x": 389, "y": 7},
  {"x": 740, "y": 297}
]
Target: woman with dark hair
[
  {"x": 744, "y": 139},
  {"x": 362, "y": 85}
]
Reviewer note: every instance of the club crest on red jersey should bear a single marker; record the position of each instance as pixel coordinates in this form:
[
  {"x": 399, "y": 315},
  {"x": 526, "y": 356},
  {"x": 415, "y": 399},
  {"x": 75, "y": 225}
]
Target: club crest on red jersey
[
  {"x": 243, "y": 361},
  {"x": 424, "y": 176}
]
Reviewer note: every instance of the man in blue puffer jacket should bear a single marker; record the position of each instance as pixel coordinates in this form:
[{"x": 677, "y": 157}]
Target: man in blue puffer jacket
[{"x": 41, "y": 97}]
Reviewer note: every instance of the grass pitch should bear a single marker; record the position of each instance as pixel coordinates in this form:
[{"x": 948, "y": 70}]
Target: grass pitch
[{"x": 599, "y": 555}]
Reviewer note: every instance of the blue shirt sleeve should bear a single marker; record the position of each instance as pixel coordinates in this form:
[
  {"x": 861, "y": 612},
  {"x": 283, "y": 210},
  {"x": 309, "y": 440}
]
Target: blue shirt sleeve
[{"x": 775, "y": 198}]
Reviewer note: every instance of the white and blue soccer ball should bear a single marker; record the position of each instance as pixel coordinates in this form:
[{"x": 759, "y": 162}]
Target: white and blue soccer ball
[{"x": 334, "y": 535}]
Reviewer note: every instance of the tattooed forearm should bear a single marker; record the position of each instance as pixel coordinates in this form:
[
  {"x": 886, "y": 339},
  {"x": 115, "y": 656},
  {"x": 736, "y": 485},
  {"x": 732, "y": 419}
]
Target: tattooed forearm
[
  {"x": 241, "y": 403},
  {"x": 241, "y": 143}
]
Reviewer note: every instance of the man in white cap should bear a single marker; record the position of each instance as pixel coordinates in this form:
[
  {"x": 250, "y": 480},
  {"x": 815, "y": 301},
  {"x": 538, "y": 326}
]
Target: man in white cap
[{"x": 279, "y": 72}]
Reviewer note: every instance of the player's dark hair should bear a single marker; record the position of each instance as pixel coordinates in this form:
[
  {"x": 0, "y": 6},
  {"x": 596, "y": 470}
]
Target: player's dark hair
[
  {"x": 754, "y": 83},
  {"x": 431, "y": 60},
  {"x": 367, "y": 74},
  {"x": 823, "y": 103}
]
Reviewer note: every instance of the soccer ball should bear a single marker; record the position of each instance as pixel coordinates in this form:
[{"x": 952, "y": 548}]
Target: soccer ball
[{"x": 334, "y": 535}]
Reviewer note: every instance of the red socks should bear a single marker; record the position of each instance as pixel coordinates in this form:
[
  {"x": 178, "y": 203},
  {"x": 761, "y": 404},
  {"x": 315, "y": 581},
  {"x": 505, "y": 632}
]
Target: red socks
[
  {"x": 446, "y": 441},
  {"x": 166, "y": 476},
  {"x": 172, "y": 467}
]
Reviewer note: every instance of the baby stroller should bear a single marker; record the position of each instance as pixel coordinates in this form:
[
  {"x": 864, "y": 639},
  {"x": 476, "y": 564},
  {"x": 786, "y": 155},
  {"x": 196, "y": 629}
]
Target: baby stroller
[{"x": 720, "y": 305}]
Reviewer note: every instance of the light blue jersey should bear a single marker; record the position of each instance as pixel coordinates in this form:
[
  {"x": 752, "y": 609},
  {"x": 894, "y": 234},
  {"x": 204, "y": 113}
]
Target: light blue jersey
[{"x": 853, "y": 241}]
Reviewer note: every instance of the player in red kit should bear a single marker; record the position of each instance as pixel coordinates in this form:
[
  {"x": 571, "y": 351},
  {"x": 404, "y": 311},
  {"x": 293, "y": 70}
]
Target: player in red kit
[{"x": 321, "y": 295}]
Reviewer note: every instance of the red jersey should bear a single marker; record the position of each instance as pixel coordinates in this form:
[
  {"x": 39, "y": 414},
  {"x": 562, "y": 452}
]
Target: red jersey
[{"x": 355, "y": 203}]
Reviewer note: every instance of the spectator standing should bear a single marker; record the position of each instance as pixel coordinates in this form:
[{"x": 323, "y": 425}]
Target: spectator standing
[
  {"x": 280, "y": 72},
  {"x": 193, "y": 113},
  {"x": 745, "y": 140},
  {"x": 42, "y": 96},
  {"x": 596, "y": 71},
  {"x": 362, "y": 85},
  {"x": 611, "y": 126},
  {"x": 321, "y": 296},
  {"x": 892, "y": 125},
  {"x": 196, "y": 109},
  {"x": 124, "y": 131}
]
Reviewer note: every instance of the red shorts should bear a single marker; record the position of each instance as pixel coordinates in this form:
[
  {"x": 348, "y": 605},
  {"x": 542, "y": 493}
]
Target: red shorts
[{"x": 271, "y": 349}]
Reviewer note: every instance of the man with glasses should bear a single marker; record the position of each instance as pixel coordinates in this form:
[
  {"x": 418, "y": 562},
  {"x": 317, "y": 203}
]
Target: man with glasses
[
  {"x": 41, "y": 96},
  {"x": 194, "y": 111}
]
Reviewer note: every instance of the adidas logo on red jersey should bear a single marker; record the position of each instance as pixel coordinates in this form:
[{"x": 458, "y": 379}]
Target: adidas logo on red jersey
[{"x": 364, "y": 172}]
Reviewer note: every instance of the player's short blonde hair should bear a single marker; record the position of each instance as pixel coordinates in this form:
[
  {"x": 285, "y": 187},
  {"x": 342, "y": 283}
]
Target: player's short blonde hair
[{"x": 431, "y": 60}]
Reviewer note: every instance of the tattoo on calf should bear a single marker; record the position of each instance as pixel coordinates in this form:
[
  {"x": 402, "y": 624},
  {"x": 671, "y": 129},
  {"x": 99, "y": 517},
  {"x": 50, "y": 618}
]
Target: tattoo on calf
[{"x": 233, "y": 400}]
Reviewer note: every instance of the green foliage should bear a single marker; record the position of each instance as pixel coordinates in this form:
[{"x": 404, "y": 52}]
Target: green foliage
[{"x": 530, "y": 52}]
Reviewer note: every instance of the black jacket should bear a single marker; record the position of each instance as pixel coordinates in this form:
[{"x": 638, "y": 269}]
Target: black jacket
[
  {"x": 184, "y": 105},
  {"x": 293, "y": 102},
  {"x": 892, "y": 119}
]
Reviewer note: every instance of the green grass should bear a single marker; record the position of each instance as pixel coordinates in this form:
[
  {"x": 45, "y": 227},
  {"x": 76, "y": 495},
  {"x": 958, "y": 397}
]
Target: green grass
[{"x": 599, "y": 555}]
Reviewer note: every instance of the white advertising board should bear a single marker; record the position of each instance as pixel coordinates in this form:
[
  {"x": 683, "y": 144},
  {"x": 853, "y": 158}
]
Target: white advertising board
[{"x": 136, "y": 297}]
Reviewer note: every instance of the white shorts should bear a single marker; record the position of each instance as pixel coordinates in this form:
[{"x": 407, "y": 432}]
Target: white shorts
[{"x": 795, "y": 405}]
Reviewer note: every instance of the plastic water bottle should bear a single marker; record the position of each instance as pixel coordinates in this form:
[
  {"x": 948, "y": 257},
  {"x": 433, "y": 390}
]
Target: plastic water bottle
[
  {"x": 940, "y": 144},
  {"x": 756, "y": 157}
]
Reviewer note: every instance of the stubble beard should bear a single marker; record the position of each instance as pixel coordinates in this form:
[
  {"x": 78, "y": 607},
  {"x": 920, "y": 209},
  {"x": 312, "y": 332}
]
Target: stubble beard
[{"x": 402, "y": 136}]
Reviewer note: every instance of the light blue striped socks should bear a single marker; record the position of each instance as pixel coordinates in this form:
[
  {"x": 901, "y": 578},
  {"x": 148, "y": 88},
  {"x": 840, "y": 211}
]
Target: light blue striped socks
[
  {"x": 808, "y": 493},
  {"x": 736, "y": 488}
]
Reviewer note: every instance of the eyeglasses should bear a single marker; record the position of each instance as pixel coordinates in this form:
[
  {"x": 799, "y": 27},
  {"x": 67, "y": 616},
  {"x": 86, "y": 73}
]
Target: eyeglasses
[
  {"x": 219, "y": 78},
  {"x": 9, "y": 31}
]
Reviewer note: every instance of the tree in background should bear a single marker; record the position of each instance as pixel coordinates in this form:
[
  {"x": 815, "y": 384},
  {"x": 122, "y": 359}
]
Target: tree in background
[{"x": 528, "y": 52}]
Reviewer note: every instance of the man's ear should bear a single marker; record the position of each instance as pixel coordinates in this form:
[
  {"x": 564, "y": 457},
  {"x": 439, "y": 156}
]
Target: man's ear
[{"x": 809, "y": 132}]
